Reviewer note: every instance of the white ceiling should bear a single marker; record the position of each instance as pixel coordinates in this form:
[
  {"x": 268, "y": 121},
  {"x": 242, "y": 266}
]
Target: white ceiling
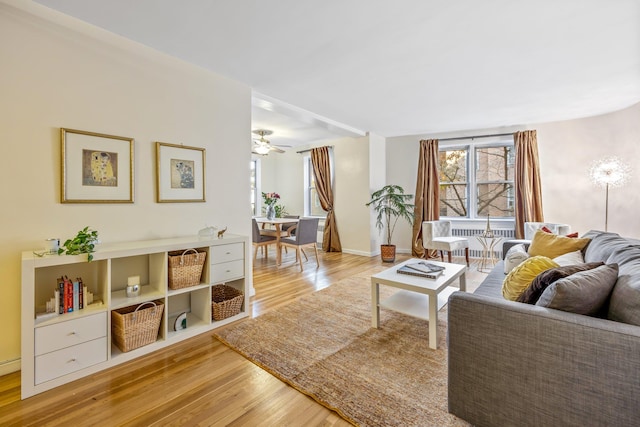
[{"x": 396, "y": 67}]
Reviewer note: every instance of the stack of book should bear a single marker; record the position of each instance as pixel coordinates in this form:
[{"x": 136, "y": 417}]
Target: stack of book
[{"x": 422, "y": 269}]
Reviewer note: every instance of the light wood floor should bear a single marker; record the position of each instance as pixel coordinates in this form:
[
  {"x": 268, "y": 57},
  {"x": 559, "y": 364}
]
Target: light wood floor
[{"x": 198, "y": 381}]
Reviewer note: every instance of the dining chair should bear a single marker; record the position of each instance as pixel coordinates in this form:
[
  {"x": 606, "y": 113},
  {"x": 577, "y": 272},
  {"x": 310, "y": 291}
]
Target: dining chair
[
  {"x": 436, "y": 235},
  {"x": 260, "y": 240},
  {"x": 305, "y": 234}
]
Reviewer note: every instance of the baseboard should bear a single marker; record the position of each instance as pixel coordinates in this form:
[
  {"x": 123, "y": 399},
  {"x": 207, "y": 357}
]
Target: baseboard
[
  {"x": 9, "y": 366},
  {"x": 361, "y": 253}
]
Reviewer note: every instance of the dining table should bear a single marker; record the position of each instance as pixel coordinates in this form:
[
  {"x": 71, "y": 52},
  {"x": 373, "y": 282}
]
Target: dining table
[{"x": 276, "y": 232}]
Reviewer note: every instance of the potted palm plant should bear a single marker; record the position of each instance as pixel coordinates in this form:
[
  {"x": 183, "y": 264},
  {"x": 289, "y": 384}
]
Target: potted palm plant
[{"x": 390, "y": 203}]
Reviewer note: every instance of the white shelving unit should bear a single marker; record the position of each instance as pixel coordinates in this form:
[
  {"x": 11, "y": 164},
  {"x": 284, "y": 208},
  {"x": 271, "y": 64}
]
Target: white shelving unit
[{"x": 61, "y": 348}]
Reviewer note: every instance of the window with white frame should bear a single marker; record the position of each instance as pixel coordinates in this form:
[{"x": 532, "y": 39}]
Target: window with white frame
[
  {"x": 254, "y": 187},
  {"x": 312, "y": 205},
  {"x": 477, "y": 180}
]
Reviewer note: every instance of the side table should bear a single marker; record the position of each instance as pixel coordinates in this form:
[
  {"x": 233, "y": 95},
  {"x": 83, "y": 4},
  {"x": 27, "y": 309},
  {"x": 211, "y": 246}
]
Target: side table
[{"x": 488, "y": 259}]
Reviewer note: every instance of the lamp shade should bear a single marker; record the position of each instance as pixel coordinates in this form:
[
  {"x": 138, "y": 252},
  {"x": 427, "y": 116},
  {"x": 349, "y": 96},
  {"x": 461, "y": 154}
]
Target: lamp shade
[{"x": 609, "y": 171}]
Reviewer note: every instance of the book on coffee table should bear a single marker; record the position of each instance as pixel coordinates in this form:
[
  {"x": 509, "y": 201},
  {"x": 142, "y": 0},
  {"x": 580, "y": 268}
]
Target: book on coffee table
[
  {"x": 406, "y": 269},
  {"x": 425, "y": 267}
]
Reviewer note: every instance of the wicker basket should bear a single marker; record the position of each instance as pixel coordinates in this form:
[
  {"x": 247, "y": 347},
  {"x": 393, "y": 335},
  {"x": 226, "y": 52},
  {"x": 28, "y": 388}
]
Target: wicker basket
[
  {"x": 185, "y": 269},
  {"x": 135, "y": 326},
  {"x": 226, "y": 301}
]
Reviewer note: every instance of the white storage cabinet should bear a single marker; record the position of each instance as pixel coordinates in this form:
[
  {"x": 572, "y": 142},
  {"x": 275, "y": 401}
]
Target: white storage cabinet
[{"x": 61, "y": 348}]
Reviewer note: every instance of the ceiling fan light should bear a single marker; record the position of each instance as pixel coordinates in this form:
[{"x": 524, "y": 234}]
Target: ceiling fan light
[{"x": 261, "y": 149}]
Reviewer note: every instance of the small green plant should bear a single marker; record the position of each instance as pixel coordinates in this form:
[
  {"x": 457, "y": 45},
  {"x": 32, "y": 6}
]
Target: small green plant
[
  {"x": 84, "y": 243},
  {"x": 281, "y": 211}
]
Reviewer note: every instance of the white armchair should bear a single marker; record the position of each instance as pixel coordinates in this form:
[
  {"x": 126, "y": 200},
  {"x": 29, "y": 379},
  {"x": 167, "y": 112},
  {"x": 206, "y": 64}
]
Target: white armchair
[
  {"x": 530, "y": 228},
  {"x": 436, "y": 235}
]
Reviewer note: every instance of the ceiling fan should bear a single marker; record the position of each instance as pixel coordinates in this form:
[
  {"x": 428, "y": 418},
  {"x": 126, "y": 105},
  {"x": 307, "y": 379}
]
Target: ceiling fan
[{"x": 262, "y": 146}]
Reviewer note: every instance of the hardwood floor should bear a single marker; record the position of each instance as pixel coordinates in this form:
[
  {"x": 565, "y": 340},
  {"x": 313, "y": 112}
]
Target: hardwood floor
[{"x": 199, "y": 381}]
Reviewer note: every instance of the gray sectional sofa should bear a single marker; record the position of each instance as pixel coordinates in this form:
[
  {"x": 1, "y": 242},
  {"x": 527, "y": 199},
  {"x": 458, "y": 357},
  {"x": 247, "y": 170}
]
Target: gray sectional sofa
[{"x": 515, "y": 364}]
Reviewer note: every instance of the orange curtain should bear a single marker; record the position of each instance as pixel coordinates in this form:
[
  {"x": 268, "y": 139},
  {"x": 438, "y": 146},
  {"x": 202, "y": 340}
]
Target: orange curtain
[
  {"x": 322, "y": 174},
  {"x": 427, "y": 203},
  {"x": 527, "y": 180}
]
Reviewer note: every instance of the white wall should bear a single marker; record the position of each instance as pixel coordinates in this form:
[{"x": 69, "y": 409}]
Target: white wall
[
  {"x": 283, "y": 173},
  {"x": 566, "y": 151},
  {"x": 57, "y": 72}
]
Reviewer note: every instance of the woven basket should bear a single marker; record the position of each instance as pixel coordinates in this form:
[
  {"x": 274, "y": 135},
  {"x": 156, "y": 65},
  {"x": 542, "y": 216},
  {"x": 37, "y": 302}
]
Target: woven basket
[
  {"x": 135, "y": 326},
  {"x": 185, "y": 269},
  {"x": 226, "y": 301}
]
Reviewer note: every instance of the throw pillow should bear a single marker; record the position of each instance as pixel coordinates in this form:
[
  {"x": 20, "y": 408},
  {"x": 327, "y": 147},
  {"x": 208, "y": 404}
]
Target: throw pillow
[
  {"x": 514, "y": 257},
  {"x": 522, "y": 275},
  {"x": 552, "y": 246},
  {"x": 624, "y": 305},
  {"x": 571, "y": 235},
  {"x": 584, "y": 292},
  {"x": 570, "y": 258},
  {"x": 547, "y": 278}
]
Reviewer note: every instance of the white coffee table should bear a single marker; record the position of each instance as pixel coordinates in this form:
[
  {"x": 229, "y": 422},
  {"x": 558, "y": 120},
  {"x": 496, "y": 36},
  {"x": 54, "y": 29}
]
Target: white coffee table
[{"x": 419, "y": 297}]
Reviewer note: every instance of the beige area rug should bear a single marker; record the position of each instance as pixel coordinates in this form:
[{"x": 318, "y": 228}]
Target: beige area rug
[{"x": 324, "y": 346}]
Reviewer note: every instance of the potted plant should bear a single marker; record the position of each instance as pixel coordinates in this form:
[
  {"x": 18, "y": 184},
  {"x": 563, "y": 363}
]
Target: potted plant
[
  {"x": 84, "y": 243},
  {"x": 391, "y": 203}
]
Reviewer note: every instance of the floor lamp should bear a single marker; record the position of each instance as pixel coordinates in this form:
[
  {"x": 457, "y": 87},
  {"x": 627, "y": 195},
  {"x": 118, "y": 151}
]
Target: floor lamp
[{"x": 609, "y": 172}]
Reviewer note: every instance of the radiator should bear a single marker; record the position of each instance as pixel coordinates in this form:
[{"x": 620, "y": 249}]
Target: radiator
[{"x": 475, "y": 248}]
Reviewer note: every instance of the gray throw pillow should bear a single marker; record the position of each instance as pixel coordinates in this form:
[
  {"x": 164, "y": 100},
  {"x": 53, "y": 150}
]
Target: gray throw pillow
[
  {"x": 584, "y": 292},
  {"x": 625, "y": 298},
  {"x": 547, "y": 278}
]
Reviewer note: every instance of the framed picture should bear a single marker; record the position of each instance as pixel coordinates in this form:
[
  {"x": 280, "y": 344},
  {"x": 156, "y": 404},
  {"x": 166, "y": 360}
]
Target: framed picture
[
  {"x": 179, "y": 173},
  {"x": 96, "y": 168}
]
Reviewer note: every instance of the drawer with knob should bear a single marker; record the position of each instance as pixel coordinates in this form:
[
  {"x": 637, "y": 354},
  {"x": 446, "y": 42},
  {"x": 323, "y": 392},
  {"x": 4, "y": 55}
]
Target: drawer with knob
[
  {"x": 226, "y": 253},
  {"x": 226, "y": 271},
  {"x": 69, "y": 333},
  {"x": 62, "y": 362}
]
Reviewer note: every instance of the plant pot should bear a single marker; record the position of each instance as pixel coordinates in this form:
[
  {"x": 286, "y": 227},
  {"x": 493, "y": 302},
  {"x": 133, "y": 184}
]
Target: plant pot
[{"x": 388, "y": 253}]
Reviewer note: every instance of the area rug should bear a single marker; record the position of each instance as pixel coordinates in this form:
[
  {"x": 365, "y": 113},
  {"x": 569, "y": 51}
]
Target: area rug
[{"x": 324, "y": 346}]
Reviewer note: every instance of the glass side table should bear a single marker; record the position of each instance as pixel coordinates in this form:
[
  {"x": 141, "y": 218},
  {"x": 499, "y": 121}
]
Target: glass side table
[{"x": 488, "y": 259}]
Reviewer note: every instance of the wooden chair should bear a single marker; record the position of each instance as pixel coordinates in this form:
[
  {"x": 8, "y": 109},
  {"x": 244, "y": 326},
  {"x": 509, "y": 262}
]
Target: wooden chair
[
  {"x": 436, "y": 235},
  {"x": 305, "y": 235},
  {"x": 260, "y": 240}
]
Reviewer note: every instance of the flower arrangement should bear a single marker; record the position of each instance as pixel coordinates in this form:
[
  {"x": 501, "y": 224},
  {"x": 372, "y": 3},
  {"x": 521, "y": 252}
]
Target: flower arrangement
[{"x": 270, "y": 199}]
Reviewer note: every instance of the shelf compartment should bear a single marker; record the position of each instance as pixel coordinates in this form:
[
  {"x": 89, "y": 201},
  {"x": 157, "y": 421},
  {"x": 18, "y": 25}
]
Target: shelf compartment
[
  {"x": 94, "y": 276},
  {"x": 120, "y": 299},
  {"x": 195, "y": 304},
  {"x": 150, "y": 268}
]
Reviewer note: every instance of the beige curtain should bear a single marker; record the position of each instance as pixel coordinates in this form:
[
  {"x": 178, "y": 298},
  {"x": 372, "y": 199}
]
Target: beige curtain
[
  {"x": 322, "y": 174},
  {"x": 427, "y": 203},
  {"x": 527, "y": 180}
]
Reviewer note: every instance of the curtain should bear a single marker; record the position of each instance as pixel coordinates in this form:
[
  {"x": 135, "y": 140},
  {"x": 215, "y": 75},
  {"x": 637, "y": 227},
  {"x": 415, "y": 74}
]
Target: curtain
[
  {"x": 322, "y": 175},
  {"x": 427, "y": 203},
  {"x": 527, "y": 180}
]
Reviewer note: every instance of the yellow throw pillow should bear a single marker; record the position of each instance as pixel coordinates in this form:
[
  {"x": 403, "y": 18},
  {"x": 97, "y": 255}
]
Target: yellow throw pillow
[
  {"x": 522, "y": 275},
  {"x": 552, "y": 245}
]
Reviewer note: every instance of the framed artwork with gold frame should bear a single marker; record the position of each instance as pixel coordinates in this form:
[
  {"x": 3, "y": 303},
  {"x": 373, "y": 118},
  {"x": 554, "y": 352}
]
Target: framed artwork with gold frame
[
  {"x": 95, "y": 167},
  {"x": 180, "y": 172}
]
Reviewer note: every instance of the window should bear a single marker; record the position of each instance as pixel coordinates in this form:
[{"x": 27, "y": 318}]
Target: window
[
  {"x": 485, "y": 189},
  {"x": 312, "y": 205},
  {"x": 254, "y": 187}
]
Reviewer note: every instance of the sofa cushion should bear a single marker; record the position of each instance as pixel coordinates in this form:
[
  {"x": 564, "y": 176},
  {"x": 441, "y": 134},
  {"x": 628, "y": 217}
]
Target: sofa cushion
[
  {"x": 624, "y": 305},
  {"x": 551, "y": 245},
  {"x": 521, "y": 276},
  {"x": 584, "y": 292},
  {"x": 514, "y": 257},
  {"x": 547, "y": 278},
  {"x": 602, "y": 245},
  {"x": 570, "y": 258}
]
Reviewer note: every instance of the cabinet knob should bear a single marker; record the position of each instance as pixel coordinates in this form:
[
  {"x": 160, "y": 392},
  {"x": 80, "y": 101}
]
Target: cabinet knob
[
  {"x": 72, "y": 360},
  {"x": 228, "y": 253},
  {"x": 72, "y": 333}
]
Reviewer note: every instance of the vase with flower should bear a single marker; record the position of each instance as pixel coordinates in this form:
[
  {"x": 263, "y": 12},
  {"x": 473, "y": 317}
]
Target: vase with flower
[{"x": 270, "y": 200}]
